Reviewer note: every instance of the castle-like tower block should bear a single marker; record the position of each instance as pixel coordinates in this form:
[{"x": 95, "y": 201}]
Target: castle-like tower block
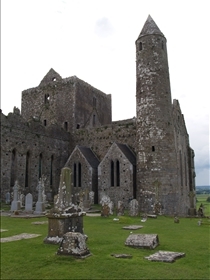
[{"x": 157, "y": 179}]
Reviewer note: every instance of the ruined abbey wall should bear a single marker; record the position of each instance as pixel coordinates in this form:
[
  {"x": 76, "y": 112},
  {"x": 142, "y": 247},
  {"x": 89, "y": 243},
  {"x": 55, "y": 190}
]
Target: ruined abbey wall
[
  {"x": 82, "y": 105},
  {"x": 30, "y": 150}
]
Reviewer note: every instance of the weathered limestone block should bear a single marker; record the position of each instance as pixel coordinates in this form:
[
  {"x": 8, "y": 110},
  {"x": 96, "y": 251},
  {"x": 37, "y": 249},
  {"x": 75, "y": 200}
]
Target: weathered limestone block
[
  {"x": 165, "y": 256},
  {"x": 133, "y": 208},
  {"x": 74, "y": 243},
  {"x": 145, "y": 241}
]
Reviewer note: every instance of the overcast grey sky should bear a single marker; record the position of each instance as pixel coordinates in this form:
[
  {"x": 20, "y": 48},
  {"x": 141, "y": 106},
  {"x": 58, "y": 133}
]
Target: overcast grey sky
[{"x": 95, "y": 40}]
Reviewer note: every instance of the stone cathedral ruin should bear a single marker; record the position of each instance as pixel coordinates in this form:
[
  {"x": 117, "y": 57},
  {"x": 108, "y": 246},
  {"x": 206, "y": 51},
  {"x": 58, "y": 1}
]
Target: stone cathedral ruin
[{"x": 68, "y": 123}]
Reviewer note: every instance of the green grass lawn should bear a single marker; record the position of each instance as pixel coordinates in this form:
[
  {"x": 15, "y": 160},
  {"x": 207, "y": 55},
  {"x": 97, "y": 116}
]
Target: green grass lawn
[
  {"x": 32, "y": 259},
  {"x": 201, "y": 198}
]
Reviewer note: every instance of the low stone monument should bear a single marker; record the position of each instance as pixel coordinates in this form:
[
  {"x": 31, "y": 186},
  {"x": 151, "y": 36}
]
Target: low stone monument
[
  {"x": 74, "y": 243},
  {"x": 144, "y": 241},
  {"x": 165, "y": 256},
  {"x": 29, "y": 203},
  {"x": 120, "y": 208},
  {"x": 133, "y": 208},
  {"x": 65, "y": 216},
  {"x": 15, "y": 206}
]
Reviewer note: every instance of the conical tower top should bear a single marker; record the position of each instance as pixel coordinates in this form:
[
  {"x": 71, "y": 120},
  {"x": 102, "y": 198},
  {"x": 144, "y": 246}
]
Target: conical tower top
[{"x": 150, "y": 27}]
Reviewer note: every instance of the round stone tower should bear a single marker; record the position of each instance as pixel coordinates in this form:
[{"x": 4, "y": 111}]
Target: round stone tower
[{"x": 156, "y": 154}]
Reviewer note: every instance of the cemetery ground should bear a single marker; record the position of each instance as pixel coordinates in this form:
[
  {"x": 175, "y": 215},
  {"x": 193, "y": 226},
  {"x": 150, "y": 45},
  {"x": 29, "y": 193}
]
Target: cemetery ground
[{"x": 32, "y": 259}]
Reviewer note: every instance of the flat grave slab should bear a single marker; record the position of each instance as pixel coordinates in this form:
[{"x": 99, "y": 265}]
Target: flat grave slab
[
  {"x": 39, "y": 223},
  {"x": 123, "y": 256},
  {"x": 165, "y": 256},
  {"x": 2, "y": 230},
  {"x": 132, "y": 227},
  {"x": 19, "y": 237}
]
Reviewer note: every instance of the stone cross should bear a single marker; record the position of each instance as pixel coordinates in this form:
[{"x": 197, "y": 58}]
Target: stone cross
[
  {"x": 40, "y": 206},
  {"x": 64, "y": 198}
]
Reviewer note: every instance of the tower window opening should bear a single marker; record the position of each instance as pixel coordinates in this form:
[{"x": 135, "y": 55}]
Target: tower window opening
[
  {"x": 46, "y": 98},
  {"x": 78, "y": 126},
  {"x": 94, "y": 101},
  {"x": 54, "y": 79},
  {"x": 140, "y": 46},
  {"x": 66, "y": 126},
  {"x": 153, "y": 148},
  {"x": 94, "y": 120},
  {"x": 45, "y": 122}
]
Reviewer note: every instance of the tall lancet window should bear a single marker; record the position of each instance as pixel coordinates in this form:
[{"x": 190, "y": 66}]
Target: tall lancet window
[
  {"x": 13, "y": 168},
  {"x": 27, "y": 170},
  {"x": 79, "y": 175},
  {"x": 75, "y": 175},
  {"x": 118, "y": 173},
  {"x": 51, "y": 171},
  {"x": 112, "y": 173}
]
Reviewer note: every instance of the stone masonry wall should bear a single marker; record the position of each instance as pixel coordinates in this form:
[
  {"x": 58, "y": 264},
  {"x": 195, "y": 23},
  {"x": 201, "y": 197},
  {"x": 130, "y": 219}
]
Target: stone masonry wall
[
  {"x": 28, "y": 150},
  {"x": 101, "y": 138}
]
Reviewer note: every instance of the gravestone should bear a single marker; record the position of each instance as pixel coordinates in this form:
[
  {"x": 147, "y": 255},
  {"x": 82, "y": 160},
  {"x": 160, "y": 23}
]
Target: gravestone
[
  {"x": 91, "y": 196},
  {"x": 74, "y": 243},
  {"x": 120, "y": 208},
  {"x": 29, "y": 203},
  {"x": 107, "y": 204},
  {"x": 40, "y": 205},
  {"x": 144, "y": 241},
  {"x": 15, "y": 206},
  {"x": 105, "y": 210},
  {"x": 7, "y": 198},
  {"x": 133, "y": 208}
]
